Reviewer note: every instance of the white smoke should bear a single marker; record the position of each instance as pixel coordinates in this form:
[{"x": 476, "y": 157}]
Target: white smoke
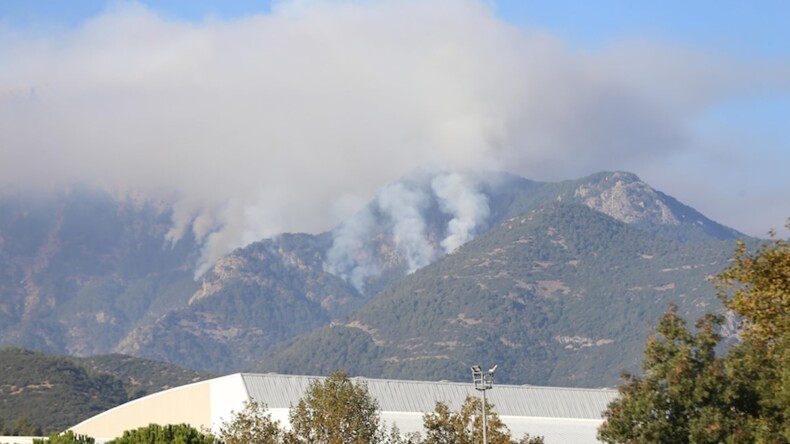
[
  {"x": 401, "y": 209},
  {"x": 259, "y": 124},
  {"x": 405, "y": 206},
  {"x": 458, "y": 197},
  {"x": 351, "y": 256},
  {"x": 354, "y": 255}
]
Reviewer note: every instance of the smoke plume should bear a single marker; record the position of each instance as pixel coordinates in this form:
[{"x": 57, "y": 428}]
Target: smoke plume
[
  {"x": 352, "y": 256},
  {"x": 398, "y": 219},
  {"x": 260, "y": 125},
  {"x": 469, "y": 208}
]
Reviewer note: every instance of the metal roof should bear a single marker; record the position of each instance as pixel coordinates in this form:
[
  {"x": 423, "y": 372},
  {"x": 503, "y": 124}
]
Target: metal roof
[{"x": 284, "y": 391}]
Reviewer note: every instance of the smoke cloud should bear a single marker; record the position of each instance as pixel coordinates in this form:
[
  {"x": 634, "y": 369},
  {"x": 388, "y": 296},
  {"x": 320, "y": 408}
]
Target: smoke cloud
[
  {"x": 404, "y": 207},
  {"x": 352, "y": 256},
  {"x": 262, "y": 124},
  {"x": 469, "y": 208},
  {"x": 397, "y": 219}
]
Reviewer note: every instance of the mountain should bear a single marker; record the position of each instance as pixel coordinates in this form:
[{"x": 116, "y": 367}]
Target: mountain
[
  {"x": 141, "y": 376},
  {"x": 85, "y": 272},
  {"x": 562, "y": 295},
  {"x": 275, "y": 289},
  {"x": 251, "y": 300},
  {"x": 624, "y": 197},
  {"x": 52, "y": 393},
  {"x": 79, "y": 268}
]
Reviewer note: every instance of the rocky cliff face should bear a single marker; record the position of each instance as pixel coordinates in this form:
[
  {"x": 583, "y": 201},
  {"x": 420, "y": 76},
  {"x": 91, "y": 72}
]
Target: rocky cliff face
[{"x": 626, "y": 198}]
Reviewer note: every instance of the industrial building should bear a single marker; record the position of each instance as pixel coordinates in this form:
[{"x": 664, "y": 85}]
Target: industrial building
[{"x": 561, "y": 415}]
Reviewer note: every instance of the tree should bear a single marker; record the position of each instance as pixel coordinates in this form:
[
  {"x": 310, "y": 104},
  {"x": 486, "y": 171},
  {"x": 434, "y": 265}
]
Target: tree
[
  {"x": 168, "y": 434},
  {"x": 67, "y": 437},
  {"x": 394, "y": 436},
  {"x": 336, "y": 411},
  {"x": 757, "y": 287},
  {"x": 680, "y": 398},
  {"x": 23, "y": 426},
  {"x": 687, "y": 394},
  {"x": 443, "y": 426},
  {"x": 253, "y": 425}
]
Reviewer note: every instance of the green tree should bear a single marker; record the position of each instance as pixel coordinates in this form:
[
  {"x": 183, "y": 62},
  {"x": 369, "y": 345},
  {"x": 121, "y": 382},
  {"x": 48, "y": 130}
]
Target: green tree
[
  {"x": 443, "y": 426},
  {"x": 167, "y": 434},
  {"x": 689, "y": 395},
  {"x": 336, "y": 411},
  {"x": 253, "y": 425},
  {"x": 67, "y": 437},
  {"x": 23, "y": 426},
  {"x": 681, "y": 396},
  {"x": 756, "y": 286}
]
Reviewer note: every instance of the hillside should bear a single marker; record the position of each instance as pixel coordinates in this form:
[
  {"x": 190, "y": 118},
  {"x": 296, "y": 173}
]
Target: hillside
[
  {"x": 254, "y": 298},
  {"x": 140, "y": 376},
  {"x": 563, "y": 295},
  {"x": 84, "y": 272},
  {"x": 79, "y": 268},
  {"x": 55, "y": 392}
]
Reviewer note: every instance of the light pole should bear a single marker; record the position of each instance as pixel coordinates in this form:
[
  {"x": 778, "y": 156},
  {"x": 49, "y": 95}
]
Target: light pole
[{"x": 483, "y": 382}]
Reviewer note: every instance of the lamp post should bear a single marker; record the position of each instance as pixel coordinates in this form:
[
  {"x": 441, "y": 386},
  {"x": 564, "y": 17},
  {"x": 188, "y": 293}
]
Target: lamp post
[{"x": 483, "y": 382}]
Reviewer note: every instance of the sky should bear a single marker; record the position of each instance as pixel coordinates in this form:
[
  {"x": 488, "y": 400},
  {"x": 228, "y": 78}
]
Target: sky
[{"x": 260, "y": 117}]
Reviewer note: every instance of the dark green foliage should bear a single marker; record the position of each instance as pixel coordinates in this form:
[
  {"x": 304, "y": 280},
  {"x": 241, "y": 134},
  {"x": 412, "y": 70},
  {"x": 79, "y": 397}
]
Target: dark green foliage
[
  {"x": 41, "y": 393},
  {"x": 167, "y": 434},
  {"x": 681, "y": 398},
  {"x": 689, "y": 395},
  {"x": 67, "y": 437},
  {"x": 143, "y": 376},
  {"x": 337, "y": 346},
  {"x": 563, "y": 296},
  {"x": 22, "y": 426},
  {"x": 52, "y": 392}
]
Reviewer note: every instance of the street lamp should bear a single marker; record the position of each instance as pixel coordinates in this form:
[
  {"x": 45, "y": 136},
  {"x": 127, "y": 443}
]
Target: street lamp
[{"x": 483, "y": 382}]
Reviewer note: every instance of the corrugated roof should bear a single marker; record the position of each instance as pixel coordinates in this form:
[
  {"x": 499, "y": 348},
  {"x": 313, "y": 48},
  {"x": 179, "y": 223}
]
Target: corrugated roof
[{"x": 284, "y": 391}]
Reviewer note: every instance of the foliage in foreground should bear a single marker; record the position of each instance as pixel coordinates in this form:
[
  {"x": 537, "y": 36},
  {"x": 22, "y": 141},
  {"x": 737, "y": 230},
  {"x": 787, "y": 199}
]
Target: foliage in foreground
[
  {"x": 252, "y": 425},
  {"x": 336, "y": 411},
  {"x": 167, "y": 434},
  {"x": 687, "y": 394},
  {"x": 443, "y": 426},
  {"x": 67, "y": 437},
  {"x": 339, "y": 411}
]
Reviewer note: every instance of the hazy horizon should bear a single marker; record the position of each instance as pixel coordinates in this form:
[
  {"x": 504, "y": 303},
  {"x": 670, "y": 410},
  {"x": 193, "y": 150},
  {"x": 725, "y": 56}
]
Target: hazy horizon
[{"x": 291, "y": 116}]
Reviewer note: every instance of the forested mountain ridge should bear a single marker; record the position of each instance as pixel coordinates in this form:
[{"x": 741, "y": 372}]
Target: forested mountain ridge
[
  {"x": 563, "y": 295},
  {"x": 51, "y": 393},
  {"x": 83, "y": 272},
  {"x": 251, "y": 300}
]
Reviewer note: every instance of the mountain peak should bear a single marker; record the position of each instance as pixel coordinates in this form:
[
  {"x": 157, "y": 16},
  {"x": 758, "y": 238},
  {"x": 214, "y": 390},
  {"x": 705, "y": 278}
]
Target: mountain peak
[{"x": 623, "y": 196}]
